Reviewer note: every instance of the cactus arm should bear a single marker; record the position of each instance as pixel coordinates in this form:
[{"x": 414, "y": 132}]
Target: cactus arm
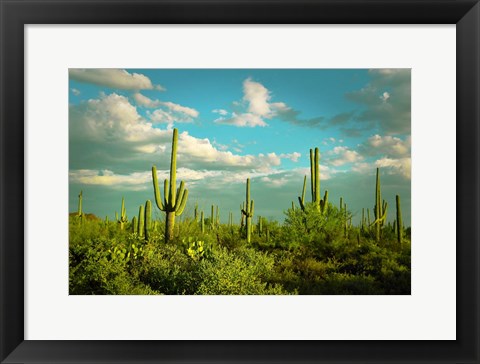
[
  {"x": 158, "y": 196},
  {"x": 179, "y": 196},
  {"x": 324, "y": 202},
  {"x": 183, "y": 203},
  {"x": 251, "y": 208},
  {"x": 302, "y": 206}
]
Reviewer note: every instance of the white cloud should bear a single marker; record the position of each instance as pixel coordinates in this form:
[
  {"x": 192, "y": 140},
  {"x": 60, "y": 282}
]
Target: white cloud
[
  {"x": 75, "y": 91},
  {"x": 385, "y": 96},
  {"x": 257, "y": 97},
  {"x": 108, "y": 178},
  {"x": 145, "y": 101},
  {"x": 254, "y": 109},
  {"x": 109, "y": 130},
  {"x": 167, "y": 112},
  {"x": 113, "y": 78},
  {"x": 188, "y": 111},
  {"x": 292, "y": 156},
  {"x": 110, "y": 118},
  {"x": 220, "y": 111},
  {"x": 402, "y": 166},
  {"x": 342, "y": 155},
  {"x": 243, "y": 120},
  {"x": 386, "y": 146}
]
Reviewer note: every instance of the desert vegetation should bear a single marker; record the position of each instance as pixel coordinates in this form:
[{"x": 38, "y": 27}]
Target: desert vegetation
[{"x": 315, "y": 250}]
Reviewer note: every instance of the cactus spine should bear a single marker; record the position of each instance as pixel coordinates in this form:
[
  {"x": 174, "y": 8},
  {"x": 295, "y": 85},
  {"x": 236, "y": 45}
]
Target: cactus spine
[
  {"x": 380, "y": 208},
  {"x": 174, "y": 201},
  {"x": 248, "y": 211},
  {"x": 148, "y": 219},
  {"x": 141, "y": 221},
  {"x": 399, "y": 221}
]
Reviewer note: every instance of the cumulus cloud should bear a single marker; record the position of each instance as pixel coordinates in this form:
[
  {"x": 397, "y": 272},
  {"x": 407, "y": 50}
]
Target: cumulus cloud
[
  {"x": 75, "y": 91},
  {"x": 242, "y": 120},
  {"x": 113, "y": 78},
  {"x": 255, "y": 108},
  {"x": 342, "y": 155},
  {"x": 257, "y": 97},
  {"x": 386, "y": 146},
  {"x": 167, "y": 112},
  {"x": 110, "y": 118},
  {"x": 402, "y": 166},
  {"x": 292, "y": 156},
  {"x": 222, "y": 112},
  {"x": 108, "y": 134},
  {"x": 108, "y": 178}
]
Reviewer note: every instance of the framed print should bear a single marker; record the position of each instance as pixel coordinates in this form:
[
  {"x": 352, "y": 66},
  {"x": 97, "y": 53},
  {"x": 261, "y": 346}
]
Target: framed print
[{"x": 374, "y": 102}]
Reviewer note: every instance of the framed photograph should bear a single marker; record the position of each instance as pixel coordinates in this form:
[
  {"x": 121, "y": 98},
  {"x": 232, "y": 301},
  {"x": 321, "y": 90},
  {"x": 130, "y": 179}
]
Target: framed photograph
[{"x": 239, "y": 181}]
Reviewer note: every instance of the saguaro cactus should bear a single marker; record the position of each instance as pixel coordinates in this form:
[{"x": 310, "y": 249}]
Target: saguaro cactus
[
  {"x": 141, "y": 221},
  {"x": 80, "y": 204},
  {"x": 80, "y": 214},
  {"x": 202, "y": 220},
  {"x": 380, "y": 209},
  {"x": 148, "y": 219},
  {"x": 320, "y": 204},
  {"x": 195, "y": 212},
  {"x": 248, "y": 211},
  {"x": 123, "y": 215},
  {"x": 399, "y": 221},
  {"x": 175, "y": 200}
]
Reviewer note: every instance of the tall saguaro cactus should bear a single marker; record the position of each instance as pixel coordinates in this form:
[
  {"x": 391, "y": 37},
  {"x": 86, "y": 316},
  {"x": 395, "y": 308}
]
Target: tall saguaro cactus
[
  {"x": 175, "y": 200},
  {"x": 380, "y": 208},
  {"x": 320, "y": 204},
  {"x": 399, "y": 221},
  {"x": 248, "y": 211}
]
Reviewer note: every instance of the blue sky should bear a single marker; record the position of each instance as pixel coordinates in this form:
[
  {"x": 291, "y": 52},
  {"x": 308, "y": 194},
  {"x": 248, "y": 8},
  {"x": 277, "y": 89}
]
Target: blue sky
[{"x": 235, "y": 124}]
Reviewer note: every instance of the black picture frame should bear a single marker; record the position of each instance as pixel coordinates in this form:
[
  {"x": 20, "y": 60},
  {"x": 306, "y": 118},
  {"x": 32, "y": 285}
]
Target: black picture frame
[{"x": 15, "y": 14}]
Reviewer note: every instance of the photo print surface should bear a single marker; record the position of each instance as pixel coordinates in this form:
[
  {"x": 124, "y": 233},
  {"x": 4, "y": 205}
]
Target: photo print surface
[{"x": 239, "y": 181}]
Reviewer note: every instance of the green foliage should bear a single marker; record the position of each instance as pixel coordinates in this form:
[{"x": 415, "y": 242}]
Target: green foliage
[
  {"x": 246, "y": 273},
  {"x": 316, "y": 250}
]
